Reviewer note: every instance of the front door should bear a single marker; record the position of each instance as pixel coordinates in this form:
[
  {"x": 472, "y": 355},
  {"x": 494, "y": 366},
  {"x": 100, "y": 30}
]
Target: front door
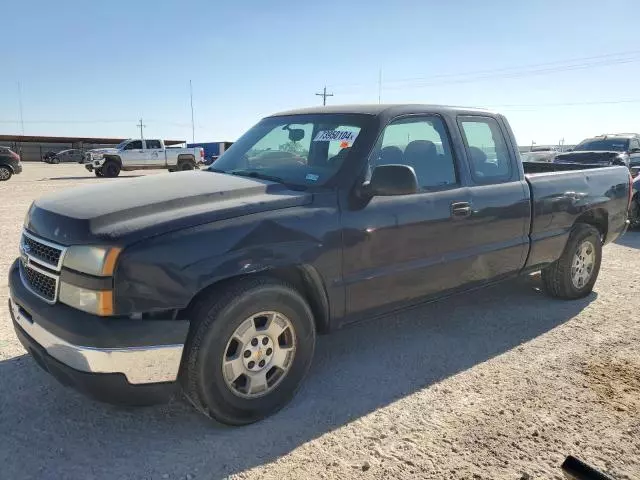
[
  {"x": 133, "y": 154},
  {"x": 398, "y": 249}
]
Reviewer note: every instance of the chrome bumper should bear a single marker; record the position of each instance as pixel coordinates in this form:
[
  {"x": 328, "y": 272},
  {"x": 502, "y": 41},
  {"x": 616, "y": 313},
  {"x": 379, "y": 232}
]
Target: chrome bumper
[{"x": 141, "y": 365}]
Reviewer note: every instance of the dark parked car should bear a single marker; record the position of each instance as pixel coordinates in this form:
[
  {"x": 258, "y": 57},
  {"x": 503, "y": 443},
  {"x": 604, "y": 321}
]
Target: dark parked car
[
  {"x": 65, "y": 156},
  {"x": 218, "y": 281},
  {"x": 612, "y": 149},
  {"x": 634, "y": 209},
  {"x": 48, "y": 155},
  {"x": 9, "y": 163}
]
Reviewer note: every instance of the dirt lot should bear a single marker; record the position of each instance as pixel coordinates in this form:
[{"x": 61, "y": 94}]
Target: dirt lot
[{"x": 499, "y": 384}]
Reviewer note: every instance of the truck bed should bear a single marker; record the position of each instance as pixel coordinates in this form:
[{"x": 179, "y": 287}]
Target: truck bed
[
  {"x": 562, "y": 193},
  {"x": 545, "y": 167}
]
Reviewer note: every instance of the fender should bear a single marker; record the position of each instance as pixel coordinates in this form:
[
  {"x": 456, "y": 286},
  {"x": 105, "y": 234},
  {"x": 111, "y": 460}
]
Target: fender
[{"x": 167, "y": 272}]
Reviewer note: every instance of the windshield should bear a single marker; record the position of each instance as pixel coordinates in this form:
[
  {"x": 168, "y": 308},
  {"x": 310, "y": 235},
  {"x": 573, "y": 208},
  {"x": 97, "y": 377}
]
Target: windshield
[
  {"x": 301, "y": 150},
  {"x": 123, "y": 143},
  {"x": 611, "y": 144}
]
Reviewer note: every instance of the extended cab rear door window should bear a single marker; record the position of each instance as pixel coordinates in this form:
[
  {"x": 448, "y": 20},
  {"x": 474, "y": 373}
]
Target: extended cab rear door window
[
  {"x": 420, "y": 142},
  {"x": 487, "y": 151}
]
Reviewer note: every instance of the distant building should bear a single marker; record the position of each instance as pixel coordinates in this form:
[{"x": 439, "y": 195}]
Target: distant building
[{"x": 32, "y": 148}]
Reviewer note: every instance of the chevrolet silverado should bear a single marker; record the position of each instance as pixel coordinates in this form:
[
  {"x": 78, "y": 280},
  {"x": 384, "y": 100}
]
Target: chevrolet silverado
[{"x": 216, "y": 282}]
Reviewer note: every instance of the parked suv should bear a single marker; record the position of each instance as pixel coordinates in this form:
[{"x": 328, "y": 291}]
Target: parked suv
[{"x": 9, "y": 163}]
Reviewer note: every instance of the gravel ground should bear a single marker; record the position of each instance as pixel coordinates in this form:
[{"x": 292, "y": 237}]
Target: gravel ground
[{"x": 498, "y": 384}]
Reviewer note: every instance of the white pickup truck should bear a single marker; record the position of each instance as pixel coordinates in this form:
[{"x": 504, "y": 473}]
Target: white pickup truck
[{"x": 141, "y": 155}]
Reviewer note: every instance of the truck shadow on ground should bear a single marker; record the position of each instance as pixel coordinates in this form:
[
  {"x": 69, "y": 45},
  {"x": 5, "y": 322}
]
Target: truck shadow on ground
[
  {"x": 46, "y": 179},
  {"x": 52, "y": 432},
  {"x": 630, "y": 239}
]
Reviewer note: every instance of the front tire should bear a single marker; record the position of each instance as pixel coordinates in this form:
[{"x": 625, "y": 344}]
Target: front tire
[
  {"x": 110, "y": 169},
  {"x": 574, "y": 274},
  {"x": 5, "y": 173},
  {"x": 98, "y": 172},
  {"x": 249, "y": 349}
]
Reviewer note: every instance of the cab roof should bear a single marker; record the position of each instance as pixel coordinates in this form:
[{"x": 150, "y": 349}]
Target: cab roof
[{"x": 387, "y": 109}]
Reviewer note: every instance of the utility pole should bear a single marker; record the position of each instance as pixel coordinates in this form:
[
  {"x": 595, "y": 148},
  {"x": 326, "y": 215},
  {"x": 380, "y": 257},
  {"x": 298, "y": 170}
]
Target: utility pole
[
  {"x": 21, "y": 115},
  {"x": 141, "y": 127},
  {"x": 193, "y": 130},
  {"x": 324, "y": 95}
]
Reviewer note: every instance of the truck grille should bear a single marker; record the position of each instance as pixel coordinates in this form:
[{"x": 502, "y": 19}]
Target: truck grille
[
  {"x": 42, "y": 285},
  {"x": 43, "y": 252},
  {"x": 40, "y": 265}
]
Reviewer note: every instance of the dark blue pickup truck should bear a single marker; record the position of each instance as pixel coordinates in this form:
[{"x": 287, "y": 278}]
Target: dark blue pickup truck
[{"x": 217, "y": 281}]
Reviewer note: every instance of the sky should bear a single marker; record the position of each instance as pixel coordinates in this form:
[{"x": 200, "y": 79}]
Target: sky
[{"x": 557, "y": 69}]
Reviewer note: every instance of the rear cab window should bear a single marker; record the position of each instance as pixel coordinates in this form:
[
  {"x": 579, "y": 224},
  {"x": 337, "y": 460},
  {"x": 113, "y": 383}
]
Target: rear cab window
[{"x": 487, "y": 151}]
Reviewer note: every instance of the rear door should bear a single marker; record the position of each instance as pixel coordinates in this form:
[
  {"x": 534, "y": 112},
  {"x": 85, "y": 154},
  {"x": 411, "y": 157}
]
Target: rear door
[
  {"x": 500, "y": 200},
  {"x": 155, "y": 154}
]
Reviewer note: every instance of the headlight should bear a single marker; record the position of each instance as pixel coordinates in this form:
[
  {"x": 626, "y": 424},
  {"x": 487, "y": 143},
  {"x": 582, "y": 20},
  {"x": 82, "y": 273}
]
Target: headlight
[
  {"x": 99, "y": 261},
  {"x": 91, "y": 301}
]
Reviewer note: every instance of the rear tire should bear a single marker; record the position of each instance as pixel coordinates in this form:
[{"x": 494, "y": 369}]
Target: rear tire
[
  {"x": 207, "y": 376},
  {"x": 574, "y": 274},
  {"x": 186, "y": 165},
  {"x": 5, "y": 173},
  {"x": 110, "y": 169}
]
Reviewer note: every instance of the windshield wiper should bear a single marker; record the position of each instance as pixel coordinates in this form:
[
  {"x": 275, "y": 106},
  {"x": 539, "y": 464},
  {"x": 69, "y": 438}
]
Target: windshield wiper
[{"x": 264, "y": 176}]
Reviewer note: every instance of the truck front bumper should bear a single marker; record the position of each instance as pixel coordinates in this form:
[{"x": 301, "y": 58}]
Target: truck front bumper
[{"x": 117, "y": 360}]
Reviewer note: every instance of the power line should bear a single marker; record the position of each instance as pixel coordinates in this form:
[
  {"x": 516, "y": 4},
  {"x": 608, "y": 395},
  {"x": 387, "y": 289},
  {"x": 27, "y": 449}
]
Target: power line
[
  {"x": 324, "y": 95},
  {"x": 523, "y": 70}
]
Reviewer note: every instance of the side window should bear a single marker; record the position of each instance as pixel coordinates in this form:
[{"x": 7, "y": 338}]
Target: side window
[
  {"x": 486, "y": 149},
  {"x": 153, "y": 143},
  {"x": 135, "y": 145},
  {"x": 421, "y": 143}
]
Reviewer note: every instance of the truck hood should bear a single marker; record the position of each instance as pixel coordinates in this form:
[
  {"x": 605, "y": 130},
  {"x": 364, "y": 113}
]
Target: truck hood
[
  {"x": 103, "y": 150},
  {"x": 589, "y": 157},
  {"x": 122, "y": 211}
]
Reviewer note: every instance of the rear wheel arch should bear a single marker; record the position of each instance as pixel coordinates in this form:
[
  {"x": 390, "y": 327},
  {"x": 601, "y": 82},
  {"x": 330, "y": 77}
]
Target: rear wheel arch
[
  {"x": 597, "y": 218},
  {"x": 113, "y": 158}
]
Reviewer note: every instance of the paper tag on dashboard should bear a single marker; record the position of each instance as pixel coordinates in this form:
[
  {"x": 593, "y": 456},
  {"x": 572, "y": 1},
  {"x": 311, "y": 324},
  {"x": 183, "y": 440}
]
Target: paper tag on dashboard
[{"x": 336, "y": 136}]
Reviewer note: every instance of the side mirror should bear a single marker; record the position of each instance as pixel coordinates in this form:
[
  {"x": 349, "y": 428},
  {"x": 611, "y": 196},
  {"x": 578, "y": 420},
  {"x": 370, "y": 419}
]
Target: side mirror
[
  {"x": 388, "y": 180},
  {"x": 635, "y": 171},
  {"x": 634, "y": 150}
]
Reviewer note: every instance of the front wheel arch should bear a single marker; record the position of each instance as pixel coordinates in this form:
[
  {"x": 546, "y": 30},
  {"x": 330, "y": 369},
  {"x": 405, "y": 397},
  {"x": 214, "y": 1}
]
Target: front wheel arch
[{"x": 304, "y": 278}]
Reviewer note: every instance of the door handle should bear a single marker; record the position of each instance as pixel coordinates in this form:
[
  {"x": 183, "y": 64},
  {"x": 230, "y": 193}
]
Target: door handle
[{"x": 460, "y": 209}]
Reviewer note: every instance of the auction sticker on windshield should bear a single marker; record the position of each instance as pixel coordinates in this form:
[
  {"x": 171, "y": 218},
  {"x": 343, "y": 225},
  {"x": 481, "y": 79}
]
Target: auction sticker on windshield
[{"x": 336, "y": 136}]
